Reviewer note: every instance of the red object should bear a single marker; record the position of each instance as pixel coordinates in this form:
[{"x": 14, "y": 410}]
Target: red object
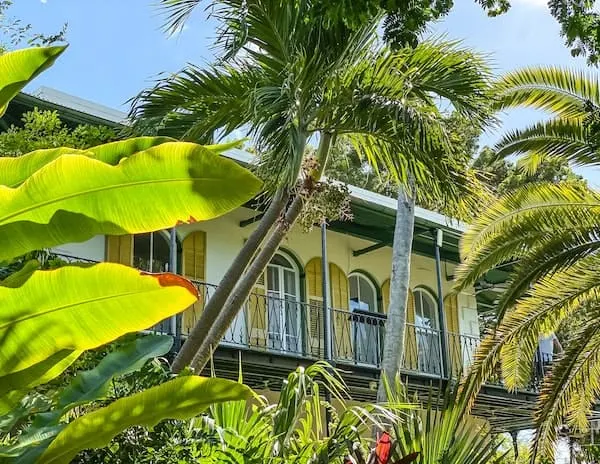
[{"x": 383, "y": 450}]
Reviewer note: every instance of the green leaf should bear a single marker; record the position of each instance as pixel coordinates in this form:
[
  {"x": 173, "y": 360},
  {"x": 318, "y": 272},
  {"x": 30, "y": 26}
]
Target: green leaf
[
  {"x": 80, "y": 308},
  {"x": 19, "y": 277},
  {"x": 177, "y": 182},
  {"x": 18, "y": 68},
  {"x": 34, "y": 375},
  {"x": 15, "y": 170},
  {"x": 114, "y": 152},
  {"x": 93, "y": 384},
  {"x": 180, "y": 398}
]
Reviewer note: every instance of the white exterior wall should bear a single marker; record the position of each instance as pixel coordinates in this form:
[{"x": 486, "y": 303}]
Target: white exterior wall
[
  {"x": 93, "y": 249},
  {"x": 224, "y": 238}
]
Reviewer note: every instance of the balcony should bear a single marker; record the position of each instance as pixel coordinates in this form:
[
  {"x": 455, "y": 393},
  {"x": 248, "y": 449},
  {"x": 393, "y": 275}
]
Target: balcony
[{"x": 290, "y": 328}]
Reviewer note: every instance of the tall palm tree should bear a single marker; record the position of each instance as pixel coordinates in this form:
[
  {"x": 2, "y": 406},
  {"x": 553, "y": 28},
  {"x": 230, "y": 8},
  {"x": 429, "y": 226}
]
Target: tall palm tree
[
  {"x": 287, "y": 77},
  {"x": 551, "y": 236}
]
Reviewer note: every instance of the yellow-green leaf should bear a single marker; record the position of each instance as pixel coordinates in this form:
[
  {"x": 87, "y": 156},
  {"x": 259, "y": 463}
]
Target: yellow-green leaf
[
  {"x": 74, "y": 198},
  {"x": 114, "y": 152},
  {"x": 15, "y": 170},
  {"x": 180, "y": 398},
  {"x": 34, "y": 375},
  {"x": 77, "y": 308},
  {"x": 18, "y": 68}
]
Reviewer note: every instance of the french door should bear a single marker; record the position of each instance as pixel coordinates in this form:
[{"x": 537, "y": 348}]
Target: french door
[{"x": 283, "y": 305}]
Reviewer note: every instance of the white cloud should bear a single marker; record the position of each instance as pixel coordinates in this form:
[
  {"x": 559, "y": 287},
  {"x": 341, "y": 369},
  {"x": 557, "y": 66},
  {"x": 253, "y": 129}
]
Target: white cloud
[{"x": 44, "y": 1}]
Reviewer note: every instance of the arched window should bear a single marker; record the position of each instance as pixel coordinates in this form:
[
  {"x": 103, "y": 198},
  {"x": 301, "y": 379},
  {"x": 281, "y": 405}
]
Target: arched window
[
  {"x": 363, "y": 294},
  {"x": 283, "y": 290},
  {"x": 426, "y": 314},
  {"x": 427, "y": 332}
]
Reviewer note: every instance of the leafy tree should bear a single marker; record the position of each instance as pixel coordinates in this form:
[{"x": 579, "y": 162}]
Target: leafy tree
[
  {"x": 15, "y": 33},
  {"x": 44, "y": 129},
  {"x": 550, "y": 233},
  {"x": 311, "y": 81}
]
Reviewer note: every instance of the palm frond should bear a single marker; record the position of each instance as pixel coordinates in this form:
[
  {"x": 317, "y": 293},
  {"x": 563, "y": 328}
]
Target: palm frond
[
  {"x": 562, "y": 92},
  {"x": 177, "y": 13},
  {"x": 510, "y": 227},
  {"x": 570, "y": 389},
  {"x": 557, "y": 138}
]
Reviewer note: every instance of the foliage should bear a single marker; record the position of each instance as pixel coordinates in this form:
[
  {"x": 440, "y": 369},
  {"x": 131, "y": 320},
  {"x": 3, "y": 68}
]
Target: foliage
[
  {"x": 15, "y": 33},
  {"x": 44, "y": 129},
  {"x": 440, "y": 431},
  {"x": 503, "y": 176},
  {"x": 404, "y": 20},
  {"x": 349, "y": 88},
  {"x": 20, "y": 67},
  {"x": 49, "y": 317}
]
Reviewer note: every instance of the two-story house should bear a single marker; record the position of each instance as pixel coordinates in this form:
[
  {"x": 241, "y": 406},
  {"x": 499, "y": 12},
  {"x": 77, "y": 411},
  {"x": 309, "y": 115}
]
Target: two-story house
[{"x": 281, "y": 325}]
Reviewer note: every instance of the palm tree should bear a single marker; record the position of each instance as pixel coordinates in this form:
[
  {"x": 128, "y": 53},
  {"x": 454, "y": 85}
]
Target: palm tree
[
  {"x": 287, "y": 77},
  {"x": 550, "y": 236}
]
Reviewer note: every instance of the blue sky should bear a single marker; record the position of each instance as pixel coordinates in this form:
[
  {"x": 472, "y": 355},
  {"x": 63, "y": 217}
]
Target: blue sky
[{"x": 117, "y": 46}]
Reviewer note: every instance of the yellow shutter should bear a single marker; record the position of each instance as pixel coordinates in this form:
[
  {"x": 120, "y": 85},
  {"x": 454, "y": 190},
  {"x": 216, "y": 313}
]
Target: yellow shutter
[
  {"x": 314, "y": 289},
  {"x": 385, "y": 295},
  {"x": 256, "y": 308},
  {"x": 119, "y": 249},
  {"x": 453, "y": 336},
  {"x": 410, "y": 336},
  {"x": 193, "y": 267},
  {"x": 342, "y": 325}
]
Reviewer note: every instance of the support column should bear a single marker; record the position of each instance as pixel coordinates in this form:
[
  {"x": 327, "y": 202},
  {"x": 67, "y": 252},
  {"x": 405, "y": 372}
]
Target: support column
[
  {"x": 438, "y": 238},
  {"x": 175, "y": 320},
  {"x": 327, "y": 325}
]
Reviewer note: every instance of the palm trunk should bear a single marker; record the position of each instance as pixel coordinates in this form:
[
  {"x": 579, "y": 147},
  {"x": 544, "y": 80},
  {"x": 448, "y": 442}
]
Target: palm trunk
[
  {"x": 217, "y": 300},
  {"x": 244, "y": 287},
  {"x": 393, "y": 349}
]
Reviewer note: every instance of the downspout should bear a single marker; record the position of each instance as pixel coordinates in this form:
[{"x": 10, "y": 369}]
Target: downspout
[
  {"x": 438, "y": 237},
  {"x": 327, "y": 325}
]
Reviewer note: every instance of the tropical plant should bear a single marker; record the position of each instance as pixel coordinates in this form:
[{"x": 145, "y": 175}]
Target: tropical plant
[
  {"x": 288, "y": 76},
  {"x": 440, "y": 431},
  {"x": 549, "y": 235},
  {"x": 50, "y": 317}
]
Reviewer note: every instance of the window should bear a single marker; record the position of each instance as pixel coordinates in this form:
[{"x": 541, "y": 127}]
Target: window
[
  {"x": 363, "y": 295},
  {"x": 427, "y": 332},
  {"x": 425, "y": 309},
  {"x": 151, "y": 252},
  {"x": 283, "y": 289}
]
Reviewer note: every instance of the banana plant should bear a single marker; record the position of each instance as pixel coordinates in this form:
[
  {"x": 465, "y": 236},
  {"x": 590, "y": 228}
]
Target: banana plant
[
  {"x": 49, "y": 318},
  {"x": 20, "y": 67}
]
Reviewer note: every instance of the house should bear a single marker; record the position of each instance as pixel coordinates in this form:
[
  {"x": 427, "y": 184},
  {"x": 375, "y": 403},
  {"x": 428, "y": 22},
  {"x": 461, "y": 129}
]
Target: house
[{"x": 281, "y": 325}]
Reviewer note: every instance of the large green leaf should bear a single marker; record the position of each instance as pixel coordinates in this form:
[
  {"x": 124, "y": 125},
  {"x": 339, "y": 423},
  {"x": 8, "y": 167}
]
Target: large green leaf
[
  {"x": 180, "y": 398},
  {"x": 15, "y": 170},
  {"x": 80, "y": 308},
  {"x": 34, "y": 375},
  {"x": 93, "y": 384},
  {"x": 114, "y": 152},
  {"x": 155, "y": 189},
  {"x": 19, "y": 67},
  {"x": 90, "y": 386}
]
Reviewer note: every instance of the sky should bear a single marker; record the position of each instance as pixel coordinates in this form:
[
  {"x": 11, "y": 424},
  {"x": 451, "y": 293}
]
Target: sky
[{"x": 117, "y": 47}]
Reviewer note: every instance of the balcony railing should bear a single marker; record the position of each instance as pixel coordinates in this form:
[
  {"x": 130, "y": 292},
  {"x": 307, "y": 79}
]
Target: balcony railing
[{"x": 289, "y": 327}]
